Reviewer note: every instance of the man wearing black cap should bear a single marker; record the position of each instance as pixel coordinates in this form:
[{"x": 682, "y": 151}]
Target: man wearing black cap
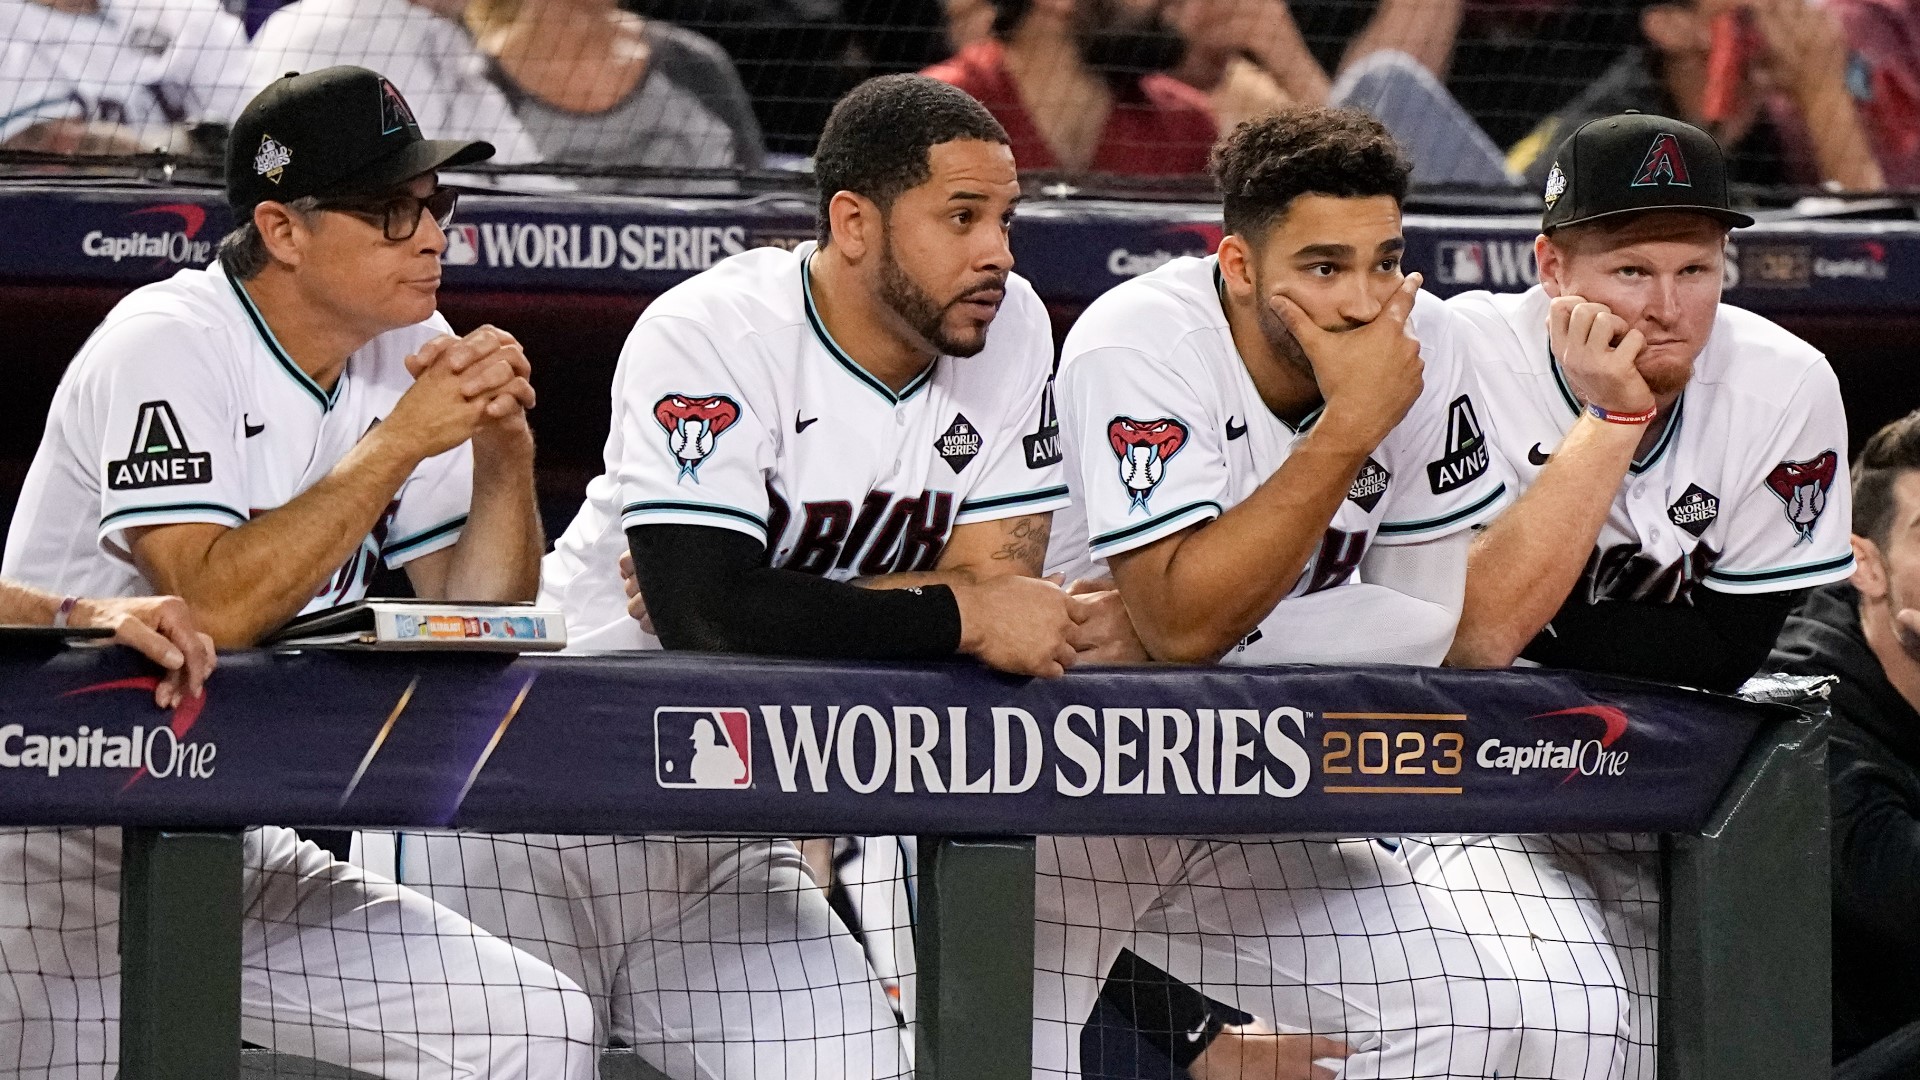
[
  {"x": 1681, "y": 466},
  {"x": 1683, "y": 462},
  {"x": 254, "y": 437}
]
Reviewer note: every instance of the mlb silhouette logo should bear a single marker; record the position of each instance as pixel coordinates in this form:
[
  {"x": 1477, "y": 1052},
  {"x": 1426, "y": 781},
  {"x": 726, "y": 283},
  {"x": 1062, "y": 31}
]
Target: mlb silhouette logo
[
  {"x": 1462, "y": 262},
  {"x": 463, "y": 246},
  {"x": 702, "y": 748}
]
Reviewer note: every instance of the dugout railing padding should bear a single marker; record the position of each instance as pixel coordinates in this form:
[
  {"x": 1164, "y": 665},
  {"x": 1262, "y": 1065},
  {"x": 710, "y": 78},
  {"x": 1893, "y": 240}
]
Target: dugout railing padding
[{"x": 1739, "y": 787}]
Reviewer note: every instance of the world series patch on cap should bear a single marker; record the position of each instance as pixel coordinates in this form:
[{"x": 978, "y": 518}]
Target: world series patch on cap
[
  {"x": 1635, "y": 162},
  {"x": 337, "y": 131}
]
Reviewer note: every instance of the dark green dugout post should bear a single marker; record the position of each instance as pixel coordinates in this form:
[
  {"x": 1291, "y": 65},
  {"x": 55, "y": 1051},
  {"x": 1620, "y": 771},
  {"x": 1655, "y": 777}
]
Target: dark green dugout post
[
  {"x": 1746, "y": 960},
  {"x": 975, "y": 946},
  {"x": 180, "y": 955}
]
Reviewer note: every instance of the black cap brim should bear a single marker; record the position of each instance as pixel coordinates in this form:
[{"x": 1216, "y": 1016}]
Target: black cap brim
[
  {"x": 425, "y": 156},
  {"x": 1730, "y": 218}
]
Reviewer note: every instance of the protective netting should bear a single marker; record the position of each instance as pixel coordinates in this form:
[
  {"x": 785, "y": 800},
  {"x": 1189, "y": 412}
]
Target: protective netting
[
  {"x": 338, "y": 965},
  {"x": 708, "y": 957},
  {"x": 693, "y": 95},
  {"x": 1531, "y": 957},
  {"x": 1527, "y": 957}
]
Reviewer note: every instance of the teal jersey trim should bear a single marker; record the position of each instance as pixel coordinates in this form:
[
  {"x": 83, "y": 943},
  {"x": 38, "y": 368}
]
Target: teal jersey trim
[
  {"x": 668, "y": 506},
  {"x": 834, "y": 350},
  {"x": 324, "y": 399},
  {"x": 1117, "y": 535},
  {"x": 1785, "y": 573},
  {"x": 1408, "y": 528},
  {"x": 423, "y": 538},
  {"x": 173, "y": 508},
  {"x": 1023, "y": 498}
]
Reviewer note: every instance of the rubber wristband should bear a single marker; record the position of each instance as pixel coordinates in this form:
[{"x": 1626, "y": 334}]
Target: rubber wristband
[
  {"x": 65, "y": 612},
  {"x": 1599, "y": 413}
]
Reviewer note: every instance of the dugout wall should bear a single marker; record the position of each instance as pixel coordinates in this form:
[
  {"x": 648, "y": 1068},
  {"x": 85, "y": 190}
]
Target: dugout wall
[{"x": 1741, "y": 786}]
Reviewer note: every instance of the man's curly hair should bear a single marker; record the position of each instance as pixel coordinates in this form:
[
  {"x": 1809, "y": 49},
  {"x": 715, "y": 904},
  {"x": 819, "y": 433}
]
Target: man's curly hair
[
  {"x": 878, "y": 139},
  {"x": 1263, "y": 165}
]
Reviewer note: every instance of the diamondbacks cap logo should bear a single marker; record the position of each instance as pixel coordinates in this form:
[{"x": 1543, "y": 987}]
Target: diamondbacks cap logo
[
  {"x": 1144, "y": 448},
  {"x": 1556, "y": 185},
  {"x": 1664, "y": 164},
  {"x": 1802, "y": 488},
  {"x": 702, "y": 747},
  {"x": 959, "y": 444},
  {"x": 1466, "y": 456},
  {"x": 1043, "y": 446},
  {"x": 1694, "y": 510},
  {"x": 271, "y": 159},
  {"x": 1369, "y": 485},
  {"x": 394, "y": 114},
  {"x": 693, "y": 425},
  {"x": 159, "y": 456}
]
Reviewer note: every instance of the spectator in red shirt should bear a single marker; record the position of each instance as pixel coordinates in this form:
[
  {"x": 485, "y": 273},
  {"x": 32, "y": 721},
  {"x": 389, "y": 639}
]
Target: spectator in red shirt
[
  {"x": 1883, "y": 74},
  {"x": 1081, "y": 86}
]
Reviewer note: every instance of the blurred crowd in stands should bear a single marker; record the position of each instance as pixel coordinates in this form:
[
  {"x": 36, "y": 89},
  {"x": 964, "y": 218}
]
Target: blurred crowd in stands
[{"x": 1801, "y": 92}]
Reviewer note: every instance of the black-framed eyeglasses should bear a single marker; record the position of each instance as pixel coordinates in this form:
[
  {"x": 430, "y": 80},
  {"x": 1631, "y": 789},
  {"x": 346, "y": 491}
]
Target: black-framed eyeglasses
[{"x": 398, "y": 215}]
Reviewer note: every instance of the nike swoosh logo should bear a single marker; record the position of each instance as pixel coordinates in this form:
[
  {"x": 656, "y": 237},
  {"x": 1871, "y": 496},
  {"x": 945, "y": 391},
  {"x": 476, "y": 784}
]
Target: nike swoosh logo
[
  {"x": 1536, "y": 458},
  {"x": 251, "y": 429},
  {"x": 800, "y": 425},
  {"x": 1234, "y": 432}
]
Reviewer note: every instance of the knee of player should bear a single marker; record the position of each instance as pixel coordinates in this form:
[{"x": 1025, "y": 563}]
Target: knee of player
[
  {"x": 555, "y": 1036},
  {"x": 567, "y": 1016}
]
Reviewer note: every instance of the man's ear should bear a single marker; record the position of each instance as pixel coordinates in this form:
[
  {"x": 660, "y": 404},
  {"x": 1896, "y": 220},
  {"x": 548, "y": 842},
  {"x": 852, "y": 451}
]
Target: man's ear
[
  {"x": 1869, "y": 570},
  {"x": 1552, "y": 263},
  {"x": 283, "y": 231},
  {"x": 856, "y": 222},
  {"x": 1236, "y": 265}
]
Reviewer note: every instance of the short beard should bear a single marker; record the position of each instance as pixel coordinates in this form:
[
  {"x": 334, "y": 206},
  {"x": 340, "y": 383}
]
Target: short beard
[
  {"x": 923, "y": 314},
  {"x": 1668, "y": 381},
  {"x": 1285, "y": 345}
]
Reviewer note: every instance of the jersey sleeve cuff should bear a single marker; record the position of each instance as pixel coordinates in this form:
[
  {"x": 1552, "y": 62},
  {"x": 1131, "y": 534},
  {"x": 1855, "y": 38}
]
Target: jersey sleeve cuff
[
  {"x": 1478, "y": 512},
  {"x": 1780, "y": 579},
  {"x": 680, "y": 512},
  {"x": 992, "y": 508},
  {"x": 401, "y": 551},
  {"x": 179, "y": 513},
  {"x": 1146, "y": 532}
]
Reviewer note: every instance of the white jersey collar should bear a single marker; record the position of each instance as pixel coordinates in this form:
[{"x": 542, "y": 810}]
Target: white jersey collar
[
  {"x": 834, "y": 350},
  {"x": 293, "y": 371}
]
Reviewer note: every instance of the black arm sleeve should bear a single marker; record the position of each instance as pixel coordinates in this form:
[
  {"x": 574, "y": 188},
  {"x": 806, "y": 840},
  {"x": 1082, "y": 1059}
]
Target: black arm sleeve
[
  {"x": 1161, "y": 1007},
  {"x": 1714, "y": 643},
  {"x": 710, "y": 590}
]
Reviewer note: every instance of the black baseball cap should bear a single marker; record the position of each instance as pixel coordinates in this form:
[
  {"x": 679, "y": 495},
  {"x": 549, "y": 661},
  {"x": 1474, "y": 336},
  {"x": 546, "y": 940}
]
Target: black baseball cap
[
  {"x": 1633, "y": 162},
  {"x": 337, "y": 131}
]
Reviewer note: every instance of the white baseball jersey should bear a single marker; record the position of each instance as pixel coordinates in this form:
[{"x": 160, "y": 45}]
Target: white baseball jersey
[
  {"x": 734, "y": 408},
  {"x": 1164, "y": 429},
  {"x": 183, "y": 408},
  {"x": 147, "y": 64},
  {"x": 1746, "y": 491}
]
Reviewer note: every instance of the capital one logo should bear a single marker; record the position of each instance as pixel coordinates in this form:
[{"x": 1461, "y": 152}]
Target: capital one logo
[
  {"x": 1579, "y": 757},
  {"x": 702, "y": 747}
]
